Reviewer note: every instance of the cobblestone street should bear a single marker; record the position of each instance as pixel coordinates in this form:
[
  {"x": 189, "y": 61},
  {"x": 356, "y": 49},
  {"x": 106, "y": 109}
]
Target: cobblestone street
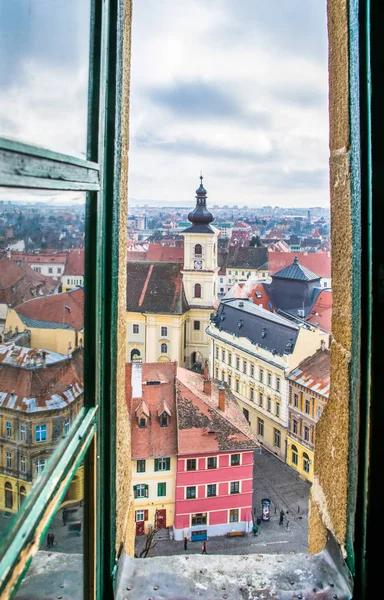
[{"x": 286, "y": 490}]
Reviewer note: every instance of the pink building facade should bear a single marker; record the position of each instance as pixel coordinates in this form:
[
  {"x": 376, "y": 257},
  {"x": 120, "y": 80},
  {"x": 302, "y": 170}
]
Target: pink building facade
[{"x": 213, "y": 494}]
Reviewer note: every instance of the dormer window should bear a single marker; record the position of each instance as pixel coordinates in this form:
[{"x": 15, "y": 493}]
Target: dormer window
[
  {"x": 164, "y": 420},
  {"x": 142, "y": 422},
  {"x": 164, "y": 413}
]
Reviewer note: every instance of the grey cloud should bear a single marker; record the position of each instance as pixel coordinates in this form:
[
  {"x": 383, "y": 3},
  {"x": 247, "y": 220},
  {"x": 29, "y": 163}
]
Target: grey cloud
[
  {"x": 299, "y": 95},
  {"x": 191, "y": 147},
  {"x": 201, "y": 100}
]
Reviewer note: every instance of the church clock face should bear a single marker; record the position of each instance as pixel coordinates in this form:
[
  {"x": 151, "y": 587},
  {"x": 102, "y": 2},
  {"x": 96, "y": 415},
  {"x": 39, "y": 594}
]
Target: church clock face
[{"x": 198, "y": 264}]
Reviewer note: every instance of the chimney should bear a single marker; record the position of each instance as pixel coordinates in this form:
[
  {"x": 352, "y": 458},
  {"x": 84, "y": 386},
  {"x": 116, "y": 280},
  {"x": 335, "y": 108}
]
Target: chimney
[
  {"x": 207, "y": 389},
  {"x": 206, "y": 374},
  {"x": 222, "y": 396},
  {"x": 137, "y": 378}
]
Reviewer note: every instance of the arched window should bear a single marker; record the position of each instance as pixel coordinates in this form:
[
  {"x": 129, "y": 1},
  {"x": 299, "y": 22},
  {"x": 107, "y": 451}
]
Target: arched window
[
  {"x": 135, "y": 353},
  {"x": 295, "y": 455},
  {"x": 164, "y": 348},
  {"x": 306, "y": 462},
  {"x": 198, "y": 250},
  {"x": 197, "y": 290},
  {"x": 8, "y": 495},
  {"x": 22, "y": 494}
]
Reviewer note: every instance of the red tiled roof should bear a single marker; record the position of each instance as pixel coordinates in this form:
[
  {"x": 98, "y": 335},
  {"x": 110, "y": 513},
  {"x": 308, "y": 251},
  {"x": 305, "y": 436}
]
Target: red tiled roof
[
  {"x": 18, "y": 281},
  {"x": 255, "y": 292},
  {"x": 65, "y": 309},
  {"x": 202, "y": 426},
  {"x": 275, "y": 233},
  {"x": 39, "y": 389},
  {"x": 153, "y": 440},
  {"x": 314, "y": 372},
  {"x": 136, "y": 255},
  {"x": 156, "y": 288},
  {"x": 159, "y": 253},
  {"x": 40, "y": 258},
  {"x": 75, "y": 262},
  {"x": 317, "y": 262},
  {"x": 323, "y": 311}
]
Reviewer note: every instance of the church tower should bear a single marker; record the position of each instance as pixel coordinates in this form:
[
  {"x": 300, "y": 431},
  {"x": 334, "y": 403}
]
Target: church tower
[{"x": 199, "y": 277}]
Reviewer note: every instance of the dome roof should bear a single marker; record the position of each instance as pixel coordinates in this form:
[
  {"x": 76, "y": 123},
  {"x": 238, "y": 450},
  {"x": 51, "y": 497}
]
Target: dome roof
[{"x": 200, "y": 215}]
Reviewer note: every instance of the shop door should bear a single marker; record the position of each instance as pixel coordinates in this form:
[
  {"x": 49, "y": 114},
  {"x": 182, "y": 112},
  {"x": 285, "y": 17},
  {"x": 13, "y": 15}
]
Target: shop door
[
  {"x": 161, "y": 518},
  {"x": 139, "y": 527}
]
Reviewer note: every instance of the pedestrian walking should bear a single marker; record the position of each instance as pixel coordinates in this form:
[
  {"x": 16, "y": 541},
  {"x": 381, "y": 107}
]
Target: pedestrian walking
[
  {"x": 255, "y": 530},
  {"x": 281, "y": 520},
  {"x": 185, "y": 542},
  {"x": 204, "y": 548}
]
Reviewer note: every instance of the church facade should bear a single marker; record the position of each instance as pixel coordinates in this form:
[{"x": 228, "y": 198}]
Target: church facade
[{"x": 168, "y": 304}]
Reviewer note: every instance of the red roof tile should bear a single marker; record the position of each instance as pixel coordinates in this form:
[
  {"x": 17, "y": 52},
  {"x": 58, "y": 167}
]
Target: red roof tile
[
  {"x": 321, "y": 313},
  {"x": 317, "y": 262},
  {"x": 153, "y": 440},
  {"x": 18, "y": 282},
  {"x": 65, "y": 309},
  {"x": 75, "y": 262},
  {"x": 39, "y": 389},
  {"x": 159, "y": 253},
  {"x": 314, "y": 372},
  {"x": 254, "y": 291},
  {"x": 40, "y": 258},
  {"x": 202, "y": 426}
]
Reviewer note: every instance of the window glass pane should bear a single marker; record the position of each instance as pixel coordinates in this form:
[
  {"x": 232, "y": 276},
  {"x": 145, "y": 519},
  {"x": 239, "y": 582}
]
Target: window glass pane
[
  {"x": 41, "y": 335},
  {"x": 57, "y": 569},
  {"x": 44, "y": 47}
]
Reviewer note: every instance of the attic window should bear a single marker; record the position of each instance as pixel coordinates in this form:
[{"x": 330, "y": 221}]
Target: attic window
[
  {"x": 155, "y": 382},
  {"x": 263, "y": 332},
  {"x": 240, "y": 323},
  {"x": 142, "y": 422},
  {"x": 164, "y": 420}
]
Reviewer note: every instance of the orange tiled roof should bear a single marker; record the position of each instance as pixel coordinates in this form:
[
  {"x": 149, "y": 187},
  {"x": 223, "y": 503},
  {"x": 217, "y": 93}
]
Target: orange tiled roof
[
  {"x": 40, "y": 258},
  {"x": 314, "y": 372},
  {"x": 255, "y": 292}
]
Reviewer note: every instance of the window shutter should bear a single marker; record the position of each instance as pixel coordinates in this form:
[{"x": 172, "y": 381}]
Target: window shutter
[
  {"x": 168, "y": 466},
  {"x": 146, "y": 515},
  {"x": 156, "y": 464},
  {"x": 135, "y": 491},
  {"x": 146, "y": 491}
]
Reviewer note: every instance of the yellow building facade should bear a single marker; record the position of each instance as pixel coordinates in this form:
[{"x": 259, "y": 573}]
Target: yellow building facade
[
  {"x": 257, "y": 377},
  {"x": 307, "y": 396},
  {"x": 154, "y": 491}
]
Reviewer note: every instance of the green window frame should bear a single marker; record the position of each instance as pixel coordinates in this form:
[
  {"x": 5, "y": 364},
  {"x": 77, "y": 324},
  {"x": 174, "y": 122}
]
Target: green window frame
[
  {"x": 99, "y": 176},
  {"x": 162, "y": 464},
  {"x": 140, "y": 466},
  {"x": 162, "y": 489}
]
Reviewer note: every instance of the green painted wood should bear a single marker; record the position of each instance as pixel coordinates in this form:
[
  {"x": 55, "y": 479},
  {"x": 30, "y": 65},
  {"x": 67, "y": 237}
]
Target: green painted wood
[
  {"x": 40, "y": 152},
  {"x": 24, "y": 170},
  {"x": 44, "y": 503}
]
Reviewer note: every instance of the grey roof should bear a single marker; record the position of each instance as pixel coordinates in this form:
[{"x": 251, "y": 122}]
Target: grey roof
[
  {"x": 248, "y": 257},
  {"x": 268, "y": 330},
  {"x": 43, "y": 324},
  {"x": 198, "y": 228},
  {"x": 296, "y": 271}
]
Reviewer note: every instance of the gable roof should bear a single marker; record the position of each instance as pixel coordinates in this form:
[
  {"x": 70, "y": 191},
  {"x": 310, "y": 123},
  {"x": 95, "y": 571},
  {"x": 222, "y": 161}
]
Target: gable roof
[
  {"x": 155, "y": 288},
  {"x": 66, "y": 309},
  {"x": 317, "y": 262},
  {"x": 153, "y": 440},
  {"x": 18, "y": 282},
  {"x": 314, "y": 372},
  {"x": 247, "y": 257},
  {"x": 296, "y": 271},
  {"x": 202, "y": 426}
]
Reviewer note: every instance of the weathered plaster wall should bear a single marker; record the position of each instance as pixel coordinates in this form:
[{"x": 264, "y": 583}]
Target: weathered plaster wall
[
  {"x": 124, "y": 508},
  {"x": 328, "y": 501}
]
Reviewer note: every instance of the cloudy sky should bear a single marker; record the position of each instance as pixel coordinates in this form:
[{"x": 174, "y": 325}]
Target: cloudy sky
[{"x": 235, "y": 88}]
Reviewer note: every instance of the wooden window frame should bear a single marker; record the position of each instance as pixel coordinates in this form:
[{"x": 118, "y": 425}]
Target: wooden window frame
[{"x": 99, "y": 176}]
